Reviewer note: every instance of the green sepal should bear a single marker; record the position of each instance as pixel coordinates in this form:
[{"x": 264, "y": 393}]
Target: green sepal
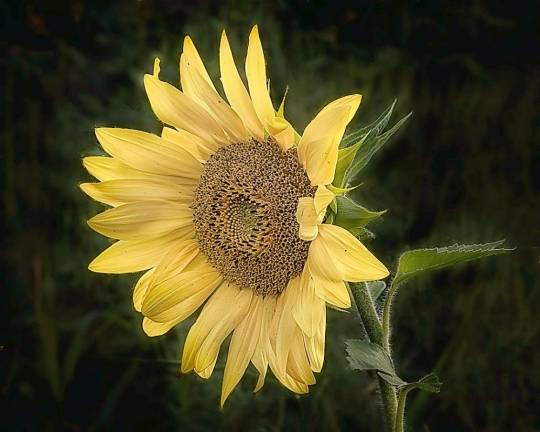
[
  {"x": 281, "y": 110},
  {"x": 416, "y": 262},
  {"x": 429, "y": 383},
  {"x": 371, "y": 144},
  {"x": 362, "y": 233},
  {"x": 345, "y": 158},
  {"x": 376, "y": 127},
  {"x": 375, "y": 288},
  {"x": 350, "y": 214},
  {"x": 339, "y": 191}
]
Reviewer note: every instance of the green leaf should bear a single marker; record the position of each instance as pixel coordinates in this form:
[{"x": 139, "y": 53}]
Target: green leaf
[
  {"x": 429, "y": 383},
  {"x": 375, "y": 289},
  {"x": 364, "y": 355},
  {"x": 371, "y": 145},
  {"x": 373, "y": 128},
  {"x": 352, "y": 215},
  {"x": 416, "y": 262}
]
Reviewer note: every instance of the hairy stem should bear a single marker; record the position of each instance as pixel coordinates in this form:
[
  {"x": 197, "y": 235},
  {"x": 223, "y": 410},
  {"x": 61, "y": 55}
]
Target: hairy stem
[
  {"x": 400, "y": 414},
  {"x": 373, "y": 328},
  {"x": 386, "y": 318}
]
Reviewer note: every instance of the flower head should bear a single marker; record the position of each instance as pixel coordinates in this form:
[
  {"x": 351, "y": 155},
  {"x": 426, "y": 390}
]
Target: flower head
[{"x": 225, "y": 211}]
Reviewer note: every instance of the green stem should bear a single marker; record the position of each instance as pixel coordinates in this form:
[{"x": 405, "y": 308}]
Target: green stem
[
  {"x": 373, "y": 328},
  {"x": 400, "y": 415},
  {"x": 386, "y": 318}
]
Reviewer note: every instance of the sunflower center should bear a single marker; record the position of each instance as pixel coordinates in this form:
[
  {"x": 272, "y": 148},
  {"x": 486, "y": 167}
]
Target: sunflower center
[{"x": 244, "y": 214}]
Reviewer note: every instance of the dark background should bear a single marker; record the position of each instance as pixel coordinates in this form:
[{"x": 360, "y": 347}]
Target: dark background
[{"x": 72, "y": 354}]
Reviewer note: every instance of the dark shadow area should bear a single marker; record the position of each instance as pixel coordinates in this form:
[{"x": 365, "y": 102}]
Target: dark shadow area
[{"x": 463, "y": 170}]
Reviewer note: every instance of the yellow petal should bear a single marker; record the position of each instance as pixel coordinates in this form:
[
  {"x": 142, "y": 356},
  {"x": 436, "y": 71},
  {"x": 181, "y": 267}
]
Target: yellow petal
[
  {"x": 235, "y": 90},
  {"x": 323, "y": 197},
  {"x": 207, "y": 96},
  {"x": 191, "y": 52},
  {"x": 198, "y": 148},
  {"x": 141, "y": 219},
  {"x": 243, "y": 343},
  {"x": 139, "y": 291},
  {"x": 282, "y": 131},
  {"x": 308, "y": 309},
  {"x": 315, "y": 345},
  {"x": 173, "y": 261},
  {"x": 130, "y": 256},
  {"x": 118, "y": 192},
  {"x": 284, "y": 325},
  {"x": 260, "y": 357},
  {"x": 256, "y": 76},
  {"x": 148, "y": 152},
  {"x": 182, "y": 255},
  {"x": 331, "y": 291},
  {"x": 153, "y": 328},
  {"x": 318, "y": 147},
  {"x": 308, "y": 219},
  {"x": 179, "y": 296},
  {"x": 349, "y": 256},
  {"x": 220, "y": 315},
  {"x": 175, "y": 108},
  {"x": 209, "y": 349},
  {"x": 107, "y": 168},
  {"x": 298, "y": 366}
]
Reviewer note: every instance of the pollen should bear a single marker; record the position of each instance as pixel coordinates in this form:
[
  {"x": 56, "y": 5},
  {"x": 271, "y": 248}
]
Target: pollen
[{"x": 244, "y": 215}]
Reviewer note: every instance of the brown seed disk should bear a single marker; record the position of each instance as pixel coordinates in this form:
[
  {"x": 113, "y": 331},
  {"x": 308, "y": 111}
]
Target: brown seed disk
[{"x": 244, "y": 213}]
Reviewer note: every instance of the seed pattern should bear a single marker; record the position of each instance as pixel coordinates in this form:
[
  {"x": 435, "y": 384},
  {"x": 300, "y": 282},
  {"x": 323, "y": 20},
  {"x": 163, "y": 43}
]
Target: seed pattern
[{"x": 244, "y": 215}]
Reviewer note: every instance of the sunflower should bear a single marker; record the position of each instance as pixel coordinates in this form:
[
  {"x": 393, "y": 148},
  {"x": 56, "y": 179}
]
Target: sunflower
[{"x": 225, "y": 211}]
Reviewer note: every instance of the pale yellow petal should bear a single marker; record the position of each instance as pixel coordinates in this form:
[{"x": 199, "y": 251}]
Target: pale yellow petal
[
  {"x": 260, "y": 357},
  {"x": 315, "y": 345},
  {"x": 318, "y": 147},
  {"x": 209, "y": 349},
  {"x": 256, "y": 76},
  {"x": 220, "y": 315},
  {"x": 298, "y": 366},
  {"x": 282, "y": 131},
  {"x": 207, "y": 96},
  {"x": 141, "y": 219},
  {"x": 139, "y": 291},
  {"x": 308, "y": 309},
  {"x": 179, "y": 296},
  {"x": 175, "y": 108},
  {"x": 127, "y": 256},
  {"x": 182, "y": 255},
  {"x": 350, "y": 258},
  {"x": 243, "y": 343},
  {"x": 153, "y": 328},
  {"x": 332, "y": 291},
  {"x": 323, "y": 197},
  {"x": 197, "y": 147},
  {"x": 108, "y": 168},
  {"x": 122, "y": 191},
  {"x": 148, "y": 152},
  {"x": 284, "y": 324},
  {"x": 236, "y": 92},
  {"x": 191, "y": 52},
  {"x": 308, "y": 219}
]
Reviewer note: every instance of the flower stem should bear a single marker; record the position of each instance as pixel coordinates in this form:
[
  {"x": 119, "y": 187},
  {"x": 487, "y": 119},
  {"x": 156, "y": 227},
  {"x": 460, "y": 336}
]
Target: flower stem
[
  {"x": 386, "y": 318},
  {"x": 372, "y": 325},
  {"x": 400, "y": 415}
]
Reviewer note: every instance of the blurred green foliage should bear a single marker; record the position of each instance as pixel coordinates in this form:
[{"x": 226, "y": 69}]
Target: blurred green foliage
[{"x": 72, "y": 353}]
